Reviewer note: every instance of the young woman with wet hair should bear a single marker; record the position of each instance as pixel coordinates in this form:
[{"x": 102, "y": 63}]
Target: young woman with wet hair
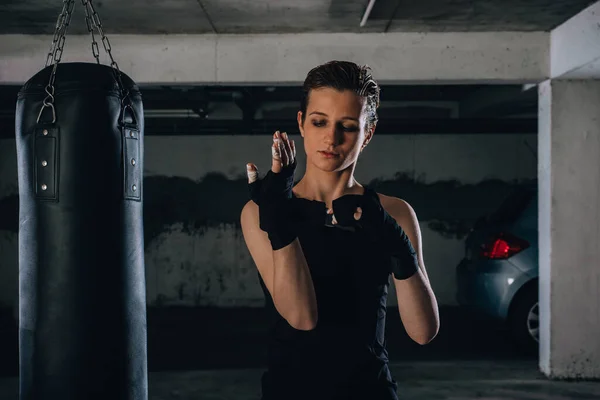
[{"x": 325, "y": 248}]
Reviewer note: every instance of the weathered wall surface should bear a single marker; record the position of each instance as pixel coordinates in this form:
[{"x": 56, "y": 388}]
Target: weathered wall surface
[{"x": 195, "y": 188}]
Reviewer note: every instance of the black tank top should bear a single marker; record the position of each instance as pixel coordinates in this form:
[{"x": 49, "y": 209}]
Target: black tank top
[{"x": 345, "y": 356}]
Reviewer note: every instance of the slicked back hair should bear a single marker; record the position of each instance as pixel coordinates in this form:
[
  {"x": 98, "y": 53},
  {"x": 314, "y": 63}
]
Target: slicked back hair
[{"x": 344, "y": 75}]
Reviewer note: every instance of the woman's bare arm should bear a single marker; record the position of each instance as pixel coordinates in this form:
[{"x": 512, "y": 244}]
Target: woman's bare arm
[
  {"x": 284, "y": 271},
  {"x": 416, "y": 301}
]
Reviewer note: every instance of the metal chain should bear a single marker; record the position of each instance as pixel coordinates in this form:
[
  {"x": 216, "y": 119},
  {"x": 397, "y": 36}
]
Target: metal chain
[
  {"x": 90, "y": 26},
  {"x": 55, "y": 54},
  {"x": 92, "y": 20},
  {"x": 91, "y": 14},
  {"x": 62, "y": 23}
]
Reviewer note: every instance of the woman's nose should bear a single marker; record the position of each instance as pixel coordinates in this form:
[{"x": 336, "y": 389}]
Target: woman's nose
[{"x": 333, "y": 136}]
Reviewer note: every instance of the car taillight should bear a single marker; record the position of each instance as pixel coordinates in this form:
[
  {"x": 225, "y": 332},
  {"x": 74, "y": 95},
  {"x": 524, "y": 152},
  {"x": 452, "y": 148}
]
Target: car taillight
[{"x": 502, "y": 246}]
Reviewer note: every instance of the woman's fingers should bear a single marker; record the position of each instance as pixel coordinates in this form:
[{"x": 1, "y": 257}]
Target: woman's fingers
[
  {"x": 293, "y": 147},
  {"x": 330, "y": 212},
  {"x": 276, "y": 154},
  {"x": 285, "y": 157},
  {"x": 252, "y": 172},
  {"x": 287, "y": 147},
  {"x": 358, "y": 213},
  {"x": 282, "y": 151}
]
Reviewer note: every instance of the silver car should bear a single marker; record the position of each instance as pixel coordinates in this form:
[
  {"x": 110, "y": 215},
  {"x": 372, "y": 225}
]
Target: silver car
[{"x": 499, "y": 272}]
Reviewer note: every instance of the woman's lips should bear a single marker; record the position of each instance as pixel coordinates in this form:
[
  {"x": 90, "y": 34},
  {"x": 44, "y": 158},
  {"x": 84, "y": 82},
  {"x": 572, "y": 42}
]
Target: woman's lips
[{"x": 328, "y": 154}]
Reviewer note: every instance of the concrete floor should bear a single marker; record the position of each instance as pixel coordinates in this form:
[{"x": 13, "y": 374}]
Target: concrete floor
[
  {"x": 472, "y": 358},
  {"x": 449, "y": 380},
  {"x": 180, "y": 339}
]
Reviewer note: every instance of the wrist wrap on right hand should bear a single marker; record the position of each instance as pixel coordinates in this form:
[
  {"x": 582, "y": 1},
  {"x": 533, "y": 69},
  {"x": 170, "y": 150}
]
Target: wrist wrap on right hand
[
  {"x": 273, "y": 196},
  {"x": 380, "y": 228}
]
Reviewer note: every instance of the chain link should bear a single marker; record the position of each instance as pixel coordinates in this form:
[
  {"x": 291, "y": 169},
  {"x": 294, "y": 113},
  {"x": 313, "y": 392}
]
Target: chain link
[
  {"x": 90, "y": 28},
  {"x": 55, "y": 54},
  {"x": 92, "y": 20},
  {"x": 62, "y": 23},
  {"x": 91, "y": 14}
]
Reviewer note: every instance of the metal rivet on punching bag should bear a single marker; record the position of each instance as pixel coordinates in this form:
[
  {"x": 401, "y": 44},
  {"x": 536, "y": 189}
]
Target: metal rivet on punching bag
[{"x": 82, "y": 321}]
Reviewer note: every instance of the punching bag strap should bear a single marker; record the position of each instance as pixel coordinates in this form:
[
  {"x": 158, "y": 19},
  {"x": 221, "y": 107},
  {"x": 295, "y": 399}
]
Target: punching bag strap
[
  {"x": 130, "y": 132},
  {"x": 45, "y": 169},
  {"x": 46, "y": 139},
  {"x": 133, "y": 174}
]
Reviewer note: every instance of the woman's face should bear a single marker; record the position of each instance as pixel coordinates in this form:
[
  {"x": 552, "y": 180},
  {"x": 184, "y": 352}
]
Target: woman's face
[{"x": 334, "y": 128}]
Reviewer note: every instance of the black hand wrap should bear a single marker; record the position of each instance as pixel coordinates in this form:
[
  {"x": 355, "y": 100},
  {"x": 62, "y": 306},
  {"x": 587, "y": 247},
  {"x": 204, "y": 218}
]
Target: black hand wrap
[
  {"x": 273, "y": 194},
  {"x": 380, "y": 228}
]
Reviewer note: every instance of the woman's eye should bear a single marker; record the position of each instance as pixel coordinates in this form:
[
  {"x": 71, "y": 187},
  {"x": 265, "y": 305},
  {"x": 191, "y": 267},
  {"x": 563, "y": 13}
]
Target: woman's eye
[
  {"x": 350, "y": 128},
  {"x": 342, "y": 127}
]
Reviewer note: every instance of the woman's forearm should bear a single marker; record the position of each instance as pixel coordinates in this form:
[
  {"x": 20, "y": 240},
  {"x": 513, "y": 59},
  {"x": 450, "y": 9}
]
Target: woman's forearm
[
  {"x": 293, "y": 289},
  {"x": 418, "y": 307}
]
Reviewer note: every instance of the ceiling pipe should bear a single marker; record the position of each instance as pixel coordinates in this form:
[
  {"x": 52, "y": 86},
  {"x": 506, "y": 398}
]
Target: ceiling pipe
[{"x": 365, "y": 17}]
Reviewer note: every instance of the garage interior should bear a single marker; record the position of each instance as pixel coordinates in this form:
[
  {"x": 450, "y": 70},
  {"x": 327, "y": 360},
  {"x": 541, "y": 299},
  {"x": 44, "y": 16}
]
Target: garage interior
[{"x": 478, "y": 99}]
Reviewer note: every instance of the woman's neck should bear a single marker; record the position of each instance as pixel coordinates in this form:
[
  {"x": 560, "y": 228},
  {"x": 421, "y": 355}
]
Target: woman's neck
[{"x": 325, "y": 186}]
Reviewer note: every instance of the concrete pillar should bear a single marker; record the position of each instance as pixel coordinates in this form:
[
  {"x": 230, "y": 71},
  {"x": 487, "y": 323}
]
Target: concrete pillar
[{"x": 569, "y": 228}]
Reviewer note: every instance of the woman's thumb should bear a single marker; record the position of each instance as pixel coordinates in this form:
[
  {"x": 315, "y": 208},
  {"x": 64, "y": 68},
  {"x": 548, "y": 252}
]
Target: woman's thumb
[{"x": 252, "y": 172}]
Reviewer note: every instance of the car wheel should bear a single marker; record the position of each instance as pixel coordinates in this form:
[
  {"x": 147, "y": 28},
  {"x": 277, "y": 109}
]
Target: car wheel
[{"x": 524, "y": 320}]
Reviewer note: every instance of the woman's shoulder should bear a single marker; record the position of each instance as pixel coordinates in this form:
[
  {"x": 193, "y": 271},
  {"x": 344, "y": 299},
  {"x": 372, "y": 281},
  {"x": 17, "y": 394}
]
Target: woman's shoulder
[{"x": 395, "y": 206}]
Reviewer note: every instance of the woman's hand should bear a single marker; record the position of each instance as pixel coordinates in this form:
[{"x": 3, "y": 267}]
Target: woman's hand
[
  {"x": 272, "y": 193},
  {"x": 357, "y": 214},
  {"x": 278, "y": 182},
  {"x": 346, "y": 211},
  {"x": 283, "y": 154},
  {"x": 367, "y": 214}
]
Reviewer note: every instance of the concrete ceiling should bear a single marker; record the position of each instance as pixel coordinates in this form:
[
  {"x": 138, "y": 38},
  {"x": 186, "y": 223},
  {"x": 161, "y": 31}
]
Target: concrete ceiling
[
  {"x": 433, "y": 108},
  {"x": 285, "y": 16}
]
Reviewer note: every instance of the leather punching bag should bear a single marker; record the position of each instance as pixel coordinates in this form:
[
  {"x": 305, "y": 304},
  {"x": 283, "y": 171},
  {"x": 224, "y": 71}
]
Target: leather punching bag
[{"x": 82, "y": 331}]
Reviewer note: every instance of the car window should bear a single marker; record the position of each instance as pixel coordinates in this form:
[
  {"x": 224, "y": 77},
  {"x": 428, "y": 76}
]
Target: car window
[{"x": 513, "y": 206}]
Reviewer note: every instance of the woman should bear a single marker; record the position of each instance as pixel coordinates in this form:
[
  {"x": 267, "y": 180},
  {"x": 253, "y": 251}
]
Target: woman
[{"x": 325, "y": 249}]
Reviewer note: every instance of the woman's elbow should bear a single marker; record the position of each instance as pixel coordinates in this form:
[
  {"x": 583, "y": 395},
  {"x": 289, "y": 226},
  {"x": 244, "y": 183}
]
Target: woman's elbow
[
  {"x": 425, "y": 336},
  {"x": 306, "y": 322},
  {"x": 423, "y": 340},
  {"x": 302, "y": 318}
]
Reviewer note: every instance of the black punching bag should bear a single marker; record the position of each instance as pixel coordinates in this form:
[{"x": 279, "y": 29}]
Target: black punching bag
[{"x": 82, "y": 331}]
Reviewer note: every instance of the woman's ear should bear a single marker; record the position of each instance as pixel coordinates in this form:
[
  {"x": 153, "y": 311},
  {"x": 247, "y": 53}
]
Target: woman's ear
[
  {"x": 300, "y": 123},
  {"x": 368, "y": 136}
]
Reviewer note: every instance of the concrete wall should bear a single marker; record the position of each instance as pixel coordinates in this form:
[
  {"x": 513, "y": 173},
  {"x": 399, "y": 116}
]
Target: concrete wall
[{"x": 195, "y": 188}]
